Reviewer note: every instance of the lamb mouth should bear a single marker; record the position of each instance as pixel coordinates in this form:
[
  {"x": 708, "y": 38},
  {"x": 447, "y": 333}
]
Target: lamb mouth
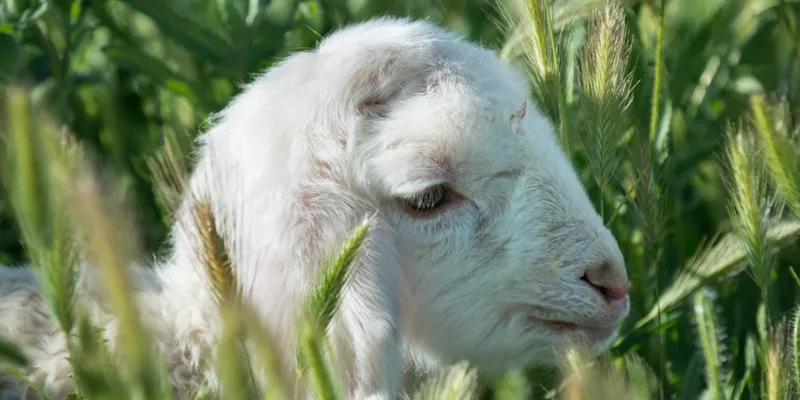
[{"x": 592, "y": 332}]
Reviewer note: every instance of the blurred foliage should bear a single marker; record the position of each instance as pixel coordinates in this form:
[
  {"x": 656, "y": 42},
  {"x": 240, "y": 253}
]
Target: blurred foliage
[
  {"x": 123, "y": 74},
  {"x": 713, "y": 86}
]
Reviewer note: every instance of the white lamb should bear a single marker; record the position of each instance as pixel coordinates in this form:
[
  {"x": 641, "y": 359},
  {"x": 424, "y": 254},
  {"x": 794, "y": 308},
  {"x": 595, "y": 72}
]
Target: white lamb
[{"x": 485, "y": 248}]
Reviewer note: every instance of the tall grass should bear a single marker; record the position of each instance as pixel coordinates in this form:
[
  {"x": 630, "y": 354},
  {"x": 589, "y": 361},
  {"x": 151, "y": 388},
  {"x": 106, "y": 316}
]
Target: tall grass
[{"x": 680, "y": 116}]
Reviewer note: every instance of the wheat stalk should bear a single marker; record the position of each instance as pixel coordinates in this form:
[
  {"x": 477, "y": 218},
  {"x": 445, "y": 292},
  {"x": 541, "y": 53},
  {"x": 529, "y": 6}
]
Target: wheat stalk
[{"x": 215, "y": 254}]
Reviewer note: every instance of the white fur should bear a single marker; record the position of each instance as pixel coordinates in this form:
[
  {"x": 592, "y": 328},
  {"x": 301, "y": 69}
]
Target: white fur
[{"x": 380, "y": 110}]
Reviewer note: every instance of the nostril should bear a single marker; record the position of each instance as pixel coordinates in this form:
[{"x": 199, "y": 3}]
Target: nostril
[
  {"x": 602, "y": 278},
  {"x": 615, "y": 291}
]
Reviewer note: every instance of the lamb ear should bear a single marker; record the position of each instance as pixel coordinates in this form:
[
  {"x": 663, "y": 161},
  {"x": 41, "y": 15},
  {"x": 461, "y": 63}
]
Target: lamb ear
[
  {"x": 374, "y": 88},
  {"x": 375, "y": 80}
]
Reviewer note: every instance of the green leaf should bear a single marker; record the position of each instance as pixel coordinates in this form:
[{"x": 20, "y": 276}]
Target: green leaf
[
  {"x": 11, "y": 355},
  {"x": 710, "y": 262},
  {"x": 75, "y": 11},
  {"x": 189, "y": 34},
  {"x": 747, "y": 84},
  {"x": 153, "y": 69},
  {"x": 12, "y": 58},
  {"x": 32, "y": 14}
]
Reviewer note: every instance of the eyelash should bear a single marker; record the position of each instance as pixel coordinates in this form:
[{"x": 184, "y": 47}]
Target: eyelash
[{"x": 429, "y": 202}]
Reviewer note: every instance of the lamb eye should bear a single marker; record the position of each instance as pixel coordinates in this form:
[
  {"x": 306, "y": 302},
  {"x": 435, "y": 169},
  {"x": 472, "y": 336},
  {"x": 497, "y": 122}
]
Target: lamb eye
[{"x": 430, "y": 200}]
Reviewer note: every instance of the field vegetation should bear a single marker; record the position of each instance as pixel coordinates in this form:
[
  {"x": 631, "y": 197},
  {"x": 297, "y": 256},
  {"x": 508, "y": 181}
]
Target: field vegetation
[{"x": 682, "y": 117}]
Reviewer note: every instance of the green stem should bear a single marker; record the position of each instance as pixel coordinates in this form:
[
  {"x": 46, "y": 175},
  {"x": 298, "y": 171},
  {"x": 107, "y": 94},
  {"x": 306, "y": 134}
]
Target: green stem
[
  {"x": 707, "y": 330},
  {"x": 562, "y": 101},
  {"x": 656, "y": 102},
  {"x": 796, "y": 348},
  {"x": 654, "y": 117}
]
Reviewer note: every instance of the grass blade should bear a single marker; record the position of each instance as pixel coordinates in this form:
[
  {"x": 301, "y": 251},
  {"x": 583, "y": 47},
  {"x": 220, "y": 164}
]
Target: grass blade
[
  {"x": 584, "y": 378},
  {"x": 325, "y": 297},
  {"x": 773, "y": 129},
  {"x": 170, "y": 169},
  {"x": 215, "y": 255},
  {"x": 513, "y": 385},
  {"x": 108, "y": 236},
  {"x": 266, "y": 355},
  {"x": 750, "y": 207},
  {"x": 710, "y": 337},
  {"x": 606, "y": 89},
  {"x": 321, "y": 305},
  {"x": 233, "y": 362},
  {"x": 795, "y": 347},
  {"x": 315, "y": 361},
  {"x": 11, "y": 355},
  {"x": 456, "y": 383},
  {"x": 711, "y": 262}
]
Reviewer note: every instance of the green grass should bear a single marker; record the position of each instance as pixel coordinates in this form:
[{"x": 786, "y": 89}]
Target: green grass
[{"x": 680, "y": 115}]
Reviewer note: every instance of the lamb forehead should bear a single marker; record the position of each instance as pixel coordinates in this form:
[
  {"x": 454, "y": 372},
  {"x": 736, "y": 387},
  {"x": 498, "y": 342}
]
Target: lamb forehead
[
  {"x": 452, "y": 136},
  {"x": 435, "y": 53},
  {"x": 459, "y": 126}
]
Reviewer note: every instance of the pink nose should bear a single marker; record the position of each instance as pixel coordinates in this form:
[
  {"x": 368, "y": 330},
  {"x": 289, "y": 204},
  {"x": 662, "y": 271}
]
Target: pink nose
[{"x": 608, "y": 279}]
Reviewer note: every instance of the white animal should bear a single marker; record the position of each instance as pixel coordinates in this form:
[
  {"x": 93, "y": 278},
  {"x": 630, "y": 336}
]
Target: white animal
[{"x": 485, "y": 246}]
